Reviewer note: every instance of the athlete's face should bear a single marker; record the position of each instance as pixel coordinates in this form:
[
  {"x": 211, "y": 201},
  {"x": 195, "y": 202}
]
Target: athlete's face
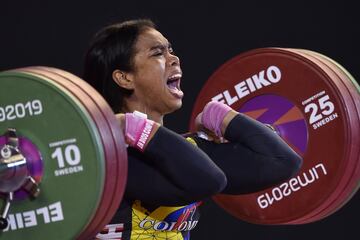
[{"x": 157, "y": 74}]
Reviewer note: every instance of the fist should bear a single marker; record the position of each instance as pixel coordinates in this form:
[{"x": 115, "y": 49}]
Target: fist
[{"x": 212, "y": 117}]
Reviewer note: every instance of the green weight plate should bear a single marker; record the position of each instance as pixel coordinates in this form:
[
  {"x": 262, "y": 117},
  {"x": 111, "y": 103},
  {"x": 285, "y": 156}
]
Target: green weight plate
[
  {"x": 119, "y": 163},
  {"x": 115, "y": 152},
  {"x": 102, "y": 126},
  {"x": 73, "y": 157}
]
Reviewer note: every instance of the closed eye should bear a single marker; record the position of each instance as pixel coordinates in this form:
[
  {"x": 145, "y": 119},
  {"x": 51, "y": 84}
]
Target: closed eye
[
  {"x": 158, "y": 53},
  {"x": 159, "y": 50}
]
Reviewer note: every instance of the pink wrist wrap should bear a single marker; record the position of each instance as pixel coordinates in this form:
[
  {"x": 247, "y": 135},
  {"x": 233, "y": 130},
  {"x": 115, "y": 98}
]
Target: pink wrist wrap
[
  {"x": 213, "y": 115},
  {"x": 137, "y": 130}
]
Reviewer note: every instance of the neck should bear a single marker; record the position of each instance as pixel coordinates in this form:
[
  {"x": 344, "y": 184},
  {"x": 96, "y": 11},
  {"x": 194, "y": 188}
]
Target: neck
[{"x": 131, "y": 106}]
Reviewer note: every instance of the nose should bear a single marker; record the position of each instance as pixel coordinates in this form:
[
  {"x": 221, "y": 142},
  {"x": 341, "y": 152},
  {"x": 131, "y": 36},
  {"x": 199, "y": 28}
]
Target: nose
[{"x": 174, "y": 60}]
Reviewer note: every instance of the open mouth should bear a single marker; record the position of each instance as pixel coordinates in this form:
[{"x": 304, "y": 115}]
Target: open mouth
[{"x": 173, "y": 84}]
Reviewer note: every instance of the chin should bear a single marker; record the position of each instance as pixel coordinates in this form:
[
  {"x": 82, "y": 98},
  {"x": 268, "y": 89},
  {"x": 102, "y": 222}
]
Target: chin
[{"x": 175, "y": 106}]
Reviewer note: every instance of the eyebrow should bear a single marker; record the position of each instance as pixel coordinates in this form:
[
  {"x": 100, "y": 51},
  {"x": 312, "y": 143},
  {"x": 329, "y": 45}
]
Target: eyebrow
[{"x": 161, "y": 46}]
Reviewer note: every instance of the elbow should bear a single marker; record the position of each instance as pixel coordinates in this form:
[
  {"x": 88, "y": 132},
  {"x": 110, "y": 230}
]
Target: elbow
[
  {"x": 296, "y": 162},
  {"x": 219, "y": 183},
  {"x": 210, "y": 185},
  {"x": 292, "y": 165}
]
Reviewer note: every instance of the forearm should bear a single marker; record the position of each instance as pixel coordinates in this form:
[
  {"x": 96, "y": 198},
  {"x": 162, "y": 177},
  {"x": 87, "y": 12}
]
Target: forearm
[
  {"x": 254, "y": 158},
  {"x": 181, "y": 171},
  {"x": 182, "y": 162},
  {"x": 259, "y": 138},
  {"x": 148, "y": 184}
]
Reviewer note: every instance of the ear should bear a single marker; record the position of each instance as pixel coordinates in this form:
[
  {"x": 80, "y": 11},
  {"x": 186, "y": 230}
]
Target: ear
[{"x": 123, "y": 79}]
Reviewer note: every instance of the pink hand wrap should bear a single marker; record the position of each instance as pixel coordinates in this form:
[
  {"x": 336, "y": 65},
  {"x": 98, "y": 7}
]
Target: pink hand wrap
[
  {"x": 137, "y": 130},
  {"x": 213, "y": 115}
]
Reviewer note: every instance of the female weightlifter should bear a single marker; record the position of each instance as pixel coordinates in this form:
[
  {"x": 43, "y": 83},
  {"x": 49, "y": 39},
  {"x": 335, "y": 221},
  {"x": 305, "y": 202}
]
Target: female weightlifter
[{"x": 134, "y": 67}]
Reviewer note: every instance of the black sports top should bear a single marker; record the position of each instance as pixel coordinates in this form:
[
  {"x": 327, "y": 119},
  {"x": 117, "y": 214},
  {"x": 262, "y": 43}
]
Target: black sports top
[{"x": 167, "y": 182}]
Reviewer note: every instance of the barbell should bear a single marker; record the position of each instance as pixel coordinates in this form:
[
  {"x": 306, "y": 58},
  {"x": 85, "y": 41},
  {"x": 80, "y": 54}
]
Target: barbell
[{"x": 63, "y": 160}]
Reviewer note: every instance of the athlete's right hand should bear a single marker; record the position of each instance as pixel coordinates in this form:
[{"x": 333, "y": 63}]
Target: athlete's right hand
[
  {"x": 137, "y": 129},
  {"x": 121, "y": 119}
]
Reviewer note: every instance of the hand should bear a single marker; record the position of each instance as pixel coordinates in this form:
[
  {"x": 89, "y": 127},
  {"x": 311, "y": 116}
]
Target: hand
[
  {"x": 138, "y": 130},
  {"x": 121, "y": 119},
  {"x": 199, "y": 127},
  {"x": 214, "y": 119}
]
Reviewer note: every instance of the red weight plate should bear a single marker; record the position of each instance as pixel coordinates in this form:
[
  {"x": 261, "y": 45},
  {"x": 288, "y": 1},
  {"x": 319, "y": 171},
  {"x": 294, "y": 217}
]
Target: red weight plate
[
  {"x": 115, "y": 165},
  {"x": 354, "y": 185},
  {"x": 348, "y": 170},
  {"x": 349, "y": 185},
  {"x": 352, "y": 174},
  {"x": 118, "y": 179},
  {"x": 300, "y": 100}
]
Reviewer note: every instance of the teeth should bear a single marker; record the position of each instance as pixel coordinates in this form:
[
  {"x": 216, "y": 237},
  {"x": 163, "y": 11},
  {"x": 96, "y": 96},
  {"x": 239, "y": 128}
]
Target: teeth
[
  {"x": 175, "y": 76},
  {"x": 173, "y": 84}
]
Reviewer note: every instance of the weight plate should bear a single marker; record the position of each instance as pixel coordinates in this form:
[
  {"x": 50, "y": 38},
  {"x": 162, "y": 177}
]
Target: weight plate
[
  {"x": 295, "y": 95},
  {"x": 104, "y": 132},
  {"x": 34, "y": 163},
  {"x": 116, "y": 158},
  {"x": 116, "y": 167},
  {"x": 354, "y": 88},
  {"x": 349, "y": 184},
  {"x": 73, "y": 157}
]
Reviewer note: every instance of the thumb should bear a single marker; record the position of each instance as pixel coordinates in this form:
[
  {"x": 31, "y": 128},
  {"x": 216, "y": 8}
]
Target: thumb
[
  {"x": 198, "y": 122},
  {"x": 121, "y": 120}
]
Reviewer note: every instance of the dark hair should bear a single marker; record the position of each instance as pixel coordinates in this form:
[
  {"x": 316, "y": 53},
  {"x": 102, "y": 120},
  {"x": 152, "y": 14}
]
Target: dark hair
[{"x": 110, "y": 49}]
